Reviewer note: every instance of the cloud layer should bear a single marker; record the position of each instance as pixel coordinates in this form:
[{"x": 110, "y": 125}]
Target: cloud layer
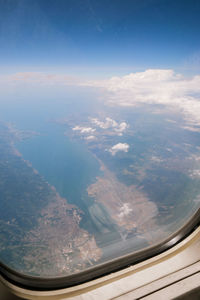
[
  {"x": 40, "y": 78},
  {"x": 154, "y": 87}
]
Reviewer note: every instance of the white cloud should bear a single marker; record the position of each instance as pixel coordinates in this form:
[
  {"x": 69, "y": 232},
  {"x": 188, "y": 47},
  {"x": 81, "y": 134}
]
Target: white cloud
[
  {"x": 154, "y": 87},
  {"x": 195, "y": 173},
  {"x": 124, "y": 210},
  {"x": 84, "y": 129},
  {"x": 90, "y": 137},
  {"x": 119, "y": 147},
  {"x": 110, "y": 124},
  {"x": 121, "y": 127}
]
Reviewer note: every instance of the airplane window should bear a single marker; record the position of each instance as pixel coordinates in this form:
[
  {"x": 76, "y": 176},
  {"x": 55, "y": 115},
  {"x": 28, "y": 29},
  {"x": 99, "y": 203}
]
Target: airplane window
[{"x": 99, "y": 133}]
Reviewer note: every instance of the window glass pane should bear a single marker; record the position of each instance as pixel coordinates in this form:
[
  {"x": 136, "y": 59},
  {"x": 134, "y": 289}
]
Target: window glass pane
[{"x": 99, "y": 129}]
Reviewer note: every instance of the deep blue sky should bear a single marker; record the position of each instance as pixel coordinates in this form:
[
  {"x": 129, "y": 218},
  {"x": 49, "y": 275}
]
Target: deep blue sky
[{"x": 102, "y": 34}]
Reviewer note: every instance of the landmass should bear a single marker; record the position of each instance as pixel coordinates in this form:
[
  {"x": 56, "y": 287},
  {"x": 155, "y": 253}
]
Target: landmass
[
  {"x": 40, "y": 232},
  {"x": 129, "y": 208},
  {"x": 150, "y": 166}
]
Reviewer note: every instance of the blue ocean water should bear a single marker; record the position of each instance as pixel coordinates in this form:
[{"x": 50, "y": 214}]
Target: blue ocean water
[{"x": 66, "y": 164}]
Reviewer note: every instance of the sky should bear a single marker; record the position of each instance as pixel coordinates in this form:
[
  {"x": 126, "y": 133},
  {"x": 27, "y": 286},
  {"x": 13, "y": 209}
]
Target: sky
[{"x": 99, "y": 37}]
